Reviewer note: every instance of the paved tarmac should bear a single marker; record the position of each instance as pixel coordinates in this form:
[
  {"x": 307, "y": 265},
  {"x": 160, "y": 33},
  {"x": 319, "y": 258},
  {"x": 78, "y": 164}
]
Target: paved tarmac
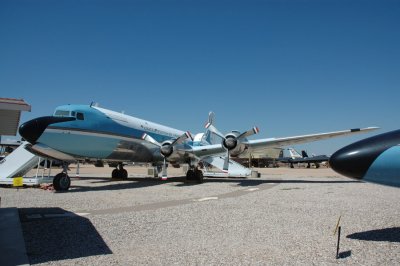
[
  {"x": 287, "y": 216},
  {"x": 12, "y": 245}
]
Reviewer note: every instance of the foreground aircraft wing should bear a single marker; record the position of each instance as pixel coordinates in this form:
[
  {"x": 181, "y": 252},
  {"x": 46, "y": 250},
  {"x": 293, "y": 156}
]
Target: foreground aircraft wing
[{"x": 260, "y": 145}]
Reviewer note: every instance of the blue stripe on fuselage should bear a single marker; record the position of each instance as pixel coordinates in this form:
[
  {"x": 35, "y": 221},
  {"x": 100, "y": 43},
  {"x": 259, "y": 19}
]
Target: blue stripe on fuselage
[
  {"x": 82, "y": 140},
  {"x": 386, "y": 168}
]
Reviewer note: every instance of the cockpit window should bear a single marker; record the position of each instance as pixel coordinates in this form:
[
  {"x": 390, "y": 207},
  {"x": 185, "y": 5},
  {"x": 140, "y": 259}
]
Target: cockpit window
[
  {"x": 61, "y": 113},
  {"x": 79, "y": 116}
]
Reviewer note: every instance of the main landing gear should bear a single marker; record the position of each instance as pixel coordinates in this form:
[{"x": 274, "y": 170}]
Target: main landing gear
[
  {"x": 61, "y": 181},
  {"x": 119, "y": 172},
  {"x": 195, "y": 175}
]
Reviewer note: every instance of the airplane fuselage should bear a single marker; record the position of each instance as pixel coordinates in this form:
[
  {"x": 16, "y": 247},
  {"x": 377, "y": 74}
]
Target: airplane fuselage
[
  {"x": 99, "y": 133},
  {"x": 375, "y": 159}
]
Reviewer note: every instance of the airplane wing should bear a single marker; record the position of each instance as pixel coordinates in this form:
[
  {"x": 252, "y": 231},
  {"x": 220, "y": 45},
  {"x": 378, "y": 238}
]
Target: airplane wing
[{"x": 260, "y": 145}]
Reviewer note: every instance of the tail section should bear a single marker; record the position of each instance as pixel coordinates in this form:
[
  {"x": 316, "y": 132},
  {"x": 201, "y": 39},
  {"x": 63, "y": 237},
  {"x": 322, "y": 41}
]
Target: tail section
[
  {"x": 304, "y": 154},
  {"x": 294, "y": 154},
  {"x": 208, "y": 136}
]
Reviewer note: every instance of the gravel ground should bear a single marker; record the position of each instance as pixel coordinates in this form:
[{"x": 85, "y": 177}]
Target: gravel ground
[{"x": 285, "y": 217}]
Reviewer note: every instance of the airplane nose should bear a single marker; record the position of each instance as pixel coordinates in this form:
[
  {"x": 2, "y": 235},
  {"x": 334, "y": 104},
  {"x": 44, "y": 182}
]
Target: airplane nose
[
  {"x": 33, "y": 129},
  {"x": 351, "y": 161},
  {"x": 355, "y": 159}
]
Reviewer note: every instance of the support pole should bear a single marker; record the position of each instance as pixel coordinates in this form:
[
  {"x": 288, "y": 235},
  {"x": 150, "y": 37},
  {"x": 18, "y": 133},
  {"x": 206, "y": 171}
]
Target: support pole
[
  {"x": 338, "y": 243},
  {"x": 77, "y": 170}
]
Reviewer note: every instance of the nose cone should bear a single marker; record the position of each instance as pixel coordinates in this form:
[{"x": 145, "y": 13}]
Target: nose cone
[
  {"x": 355, "y": 160},
  {"x": 352, "y": 161},
  {"x": 33, "y": 129}
]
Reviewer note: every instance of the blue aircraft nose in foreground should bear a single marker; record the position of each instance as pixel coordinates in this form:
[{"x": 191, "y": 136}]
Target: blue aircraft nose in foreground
[{"x": 375, "y": 159}]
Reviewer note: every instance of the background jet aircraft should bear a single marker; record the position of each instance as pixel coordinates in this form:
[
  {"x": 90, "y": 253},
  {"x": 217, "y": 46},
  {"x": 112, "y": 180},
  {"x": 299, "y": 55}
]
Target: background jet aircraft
[
  {"x": 375, "y": 159},
  {"x": 83, "y": 132},
  {"x": 295, "y": 157}
]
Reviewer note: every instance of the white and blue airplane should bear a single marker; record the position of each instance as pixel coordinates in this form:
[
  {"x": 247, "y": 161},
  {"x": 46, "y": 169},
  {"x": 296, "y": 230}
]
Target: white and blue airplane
[{"x": 88, "y": 132}]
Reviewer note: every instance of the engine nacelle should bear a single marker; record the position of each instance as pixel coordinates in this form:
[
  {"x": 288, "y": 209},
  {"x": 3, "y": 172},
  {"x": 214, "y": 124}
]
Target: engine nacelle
[
  {"x": 233, "y": 144},
  {"x": 166, "y": 148},
  {"x": 171, "y": 152}
]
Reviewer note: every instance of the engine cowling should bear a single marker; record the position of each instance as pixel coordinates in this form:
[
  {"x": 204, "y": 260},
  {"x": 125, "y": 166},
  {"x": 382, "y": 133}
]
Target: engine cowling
[
  {"x": 233, "y": 144},
  {"x": 166, "y": 149}
]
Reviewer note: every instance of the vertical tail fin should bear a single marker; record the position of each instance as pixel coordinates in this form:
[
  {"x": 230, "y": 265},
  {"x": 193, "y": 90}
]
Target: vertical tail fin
[
  {"x": 209, "y": 137},
  {"x": 304, "y": 154},
  {"x": 294, "y": 154}
]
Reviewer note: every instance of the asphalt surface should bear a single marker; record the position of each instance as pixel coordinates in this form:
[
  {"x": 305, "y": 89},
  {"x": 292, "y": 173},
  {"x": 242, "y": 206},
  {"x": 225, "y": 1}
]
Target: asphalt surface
[{"x": 288, "y": 216}]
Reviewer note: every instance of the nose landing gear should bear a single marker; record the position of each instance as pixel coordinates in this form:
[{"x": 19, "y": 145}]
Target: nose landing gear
[{"x": 61, "y": 181}]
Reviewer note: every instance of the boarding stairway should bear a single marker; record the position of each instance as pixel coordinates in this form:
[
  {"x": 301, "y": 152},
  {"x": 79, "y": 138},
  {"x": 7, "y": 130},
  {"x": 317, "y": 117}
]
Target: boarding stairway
[
  {"x": 17, "y": 164},
  {"x": 235, "y": 169}
]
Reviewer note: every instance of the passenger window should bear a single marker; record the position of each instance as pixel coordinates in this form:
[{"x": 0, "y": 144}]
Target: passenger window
[
  {"x": 79, "y": 116},
  {"x": 73, "y": 113}
]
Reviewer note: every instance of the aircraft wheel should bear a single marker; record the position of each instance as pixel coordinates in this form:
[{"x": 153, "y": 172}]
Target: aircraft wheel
[
  {"x": 61, "y": 182},
  {"x": 198, "y": 175},
  {"x": 115, "y": 173},
  {"x": 123, "y": 173},
  {"x": 190, "y": 175}
]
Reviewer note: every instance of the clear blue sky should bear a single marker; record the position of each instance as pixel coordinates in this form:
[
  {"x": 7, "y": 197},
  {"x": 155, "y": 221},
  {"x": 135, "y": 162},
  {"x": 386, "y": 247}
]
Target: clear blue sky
[{"x": 289, "y": 67}]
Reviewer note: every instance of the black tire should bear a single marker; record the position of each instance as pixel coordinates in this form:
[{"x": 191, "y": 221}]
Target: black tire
[
  {"x": 190, "y": 175},
  {"x": 115, "y": 173},
  {"x": 61, "y": 182},
  {"x": 123, "y": 174},
  {"x": 198, "y": 175}
]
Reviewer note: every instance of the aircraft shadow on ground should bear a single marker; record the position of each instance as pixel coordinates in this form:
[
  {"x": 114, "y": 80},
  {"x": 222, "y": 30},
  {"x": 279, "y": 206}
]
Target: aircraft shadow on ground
[
  {"x": 140, "y": 182},
  {"x": 254, "y": 182},
  {"x": 56, "y": 238},
  {"x": 118, "y": 184},
  {"x": 380, "y": 235}
]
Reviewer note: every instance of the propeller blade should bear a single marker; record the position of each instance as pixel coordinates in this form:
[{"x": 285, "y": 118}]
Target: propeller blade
[
  {"x": 250, "y": 132},
  {"x": 214, "y": 130},
  {"x": 211, "y": 117},
  {"x": 182, "y": 138},
  {"x": 150, "y": 139},
  {"x": 164, "y": 170},
  {"x": 226, "y": 162}
]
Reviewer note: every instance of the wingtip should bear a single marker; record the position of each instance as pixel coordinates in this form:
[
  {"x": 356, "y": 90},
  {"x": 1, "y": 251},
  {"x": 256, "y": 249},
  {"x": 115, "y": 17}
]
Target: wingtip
[
  {"x": 364, "y": 129},
  {"x": 370, "y": 128}
]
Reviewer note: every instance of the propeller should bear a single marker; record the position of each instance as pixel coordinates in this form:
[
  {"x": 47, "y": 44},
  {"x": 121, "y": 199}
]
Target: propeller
[
  {"x": 230, "y": 140},
  {"x": 166, "y": 148}
]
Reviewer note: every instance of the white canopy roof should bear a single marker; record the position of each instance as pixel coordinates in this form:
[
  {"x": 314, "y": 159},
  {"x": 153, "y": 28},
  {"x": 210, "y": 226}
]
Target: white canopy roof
[{"x": 10, "y": 113}]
